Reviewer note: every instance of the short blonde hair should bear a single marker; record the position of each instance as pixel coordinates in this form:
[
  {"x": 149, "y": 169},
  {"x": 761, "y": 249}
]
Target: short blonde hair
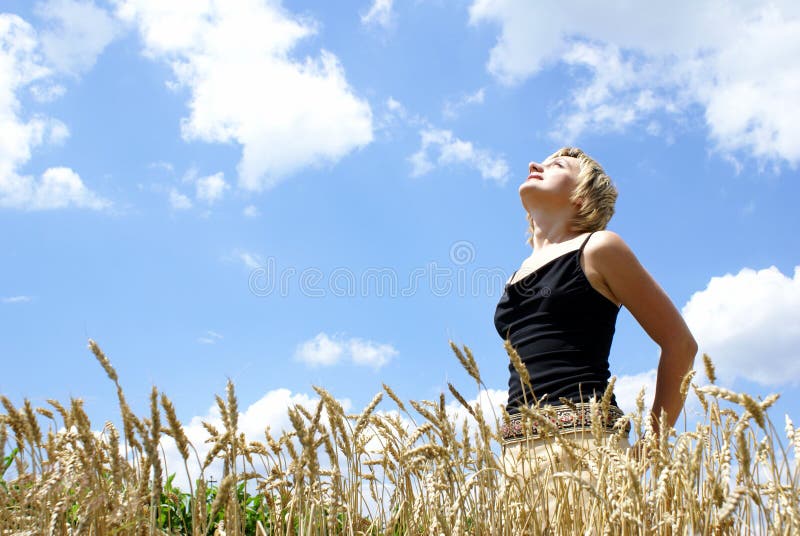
[{"x": 596, "y": 191}]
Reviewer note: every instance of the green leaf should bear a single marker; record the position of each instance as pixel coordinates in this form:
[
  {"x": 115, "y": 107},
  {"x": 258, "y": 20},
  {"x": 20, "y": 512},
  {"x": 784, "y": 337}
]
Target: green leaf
[{"x": 8, "y": 460}]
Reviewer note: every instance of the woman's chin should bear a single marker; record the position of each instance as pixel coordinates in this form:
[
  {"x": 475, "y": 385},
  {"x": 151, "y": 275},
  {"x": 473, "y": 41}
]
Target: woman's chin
[
  {"x": 529, "y": 183},
  {"x": 528, "y": 189}
]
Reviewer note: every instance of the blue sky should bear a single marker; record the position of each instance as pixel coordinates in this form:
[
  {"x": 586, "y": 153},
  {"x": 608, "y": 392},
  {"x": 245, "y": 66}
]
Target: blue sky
[{"x": 157, "y": 160}]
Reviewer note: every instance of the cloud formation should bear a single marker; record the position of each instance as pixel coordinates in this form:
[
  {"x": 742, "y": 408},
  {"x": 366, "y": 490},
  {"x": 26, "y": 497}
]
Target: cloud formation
[
  {"x": 324, "y": 350},
  {"x": 75, "y": 33},
  {"x": 15, "y": 299},
  {"x": 379, "y": 14},
  {"x": 57, "y": 187},
  {"x": 250, "y": 211},
  {"x": 628, "y": 387},
  {"x": 439, "y": 147},
  {"x": 269, "y": 412},
  {"x": 211, "y": 337},
  {"x": 250, "y": 260},
  {"x": 738, "y": 61},
  {"x": 235, "y": 59},
  {"x": 211, "y": 188},
  {"x": 179, "y": 201},
  {"x": 452, "y": 107},
  {"x": 747, "y": 324}
]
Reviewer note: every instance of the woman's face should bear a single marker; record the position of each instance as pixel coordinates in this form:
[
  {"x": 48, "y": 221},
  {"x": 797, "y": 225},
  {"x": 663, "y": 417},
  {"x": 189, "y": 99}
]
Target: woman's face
[{"x": 551, "y": 183}]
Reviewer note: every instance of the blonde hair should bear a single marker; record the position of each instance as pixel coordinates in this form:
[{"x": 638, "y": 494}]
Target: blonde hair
[{"x": 596, "y": 192}]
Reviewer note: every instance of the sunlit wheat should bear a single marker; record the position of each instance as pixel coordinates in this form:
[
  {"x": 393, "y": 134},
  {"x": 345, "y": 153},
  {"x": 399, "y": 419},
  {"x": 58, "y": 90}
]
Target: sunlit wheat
[{"x": 395, "y": 472}]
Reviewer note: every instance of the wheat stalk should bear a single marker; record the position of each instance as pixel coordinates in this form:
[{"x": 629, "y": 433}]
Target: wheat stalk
[{"x": 730, "y": 475}]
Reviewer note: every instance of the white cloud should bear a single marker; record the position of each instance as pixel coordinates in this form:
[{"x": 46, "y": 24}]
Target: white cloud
[
  {"x": 628, "y": 386},
  {"x": 269, "y": 411},
  {"x": 250, "y": 211},
  {"x": 440, "y": 147},
  {"x": 58, "y": 187},
  {"x": 16, "y": 299},
  {"x": 75, "y": 34},
  {"x": 324, "y": 350},
  {"x": 190, "y": 175},
  {"x": 211, "y": 337},
  {"x": 57, "y": 133},
  {"x": 669, "y": 58},
  {"x": 394, "y": 115},
  {"x": 178, "y": 201},
  {"x": 747, "y": 324},
  {"x": 211, "y": 188},
  {"x": 61, "y": 187},
  {"x": 207, "y": 189},
  {"x": 370, "y": 353},
  {"x": 47, "y": 92},
  {"x": 395, "y": 106},
  {"x": 320, "y": 351},
  {"x": 449, "y": 149},
  {"x": 235, "y": 59},
  {"x": 379, "y": 14},
  {"x": 250, "y": 260},
  {"x": 487, "y": 401},
  {"x": 453, "y": 107},
  {"x": 166, "y": 166}
]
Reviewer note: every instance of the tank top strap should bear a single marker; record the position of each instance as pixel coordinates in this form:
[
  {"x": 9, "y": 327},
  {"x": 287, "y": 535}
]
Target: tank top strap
[
  {"x": 511, "y": 278},
  {"x": 584, "y": 242}
]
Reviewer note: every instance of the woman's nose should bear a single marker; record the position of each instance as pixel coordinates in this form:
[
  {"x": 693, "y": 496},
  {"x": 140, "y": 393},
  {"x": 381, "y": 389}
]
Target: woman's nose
[{"x": 533, "y": 166}]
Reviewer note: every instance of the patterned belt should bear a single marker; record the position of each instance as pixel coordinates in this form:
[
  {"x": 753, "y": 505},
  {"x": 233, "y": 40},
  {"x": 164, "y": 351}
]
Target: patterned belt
[{"x": 566, "y": 419}]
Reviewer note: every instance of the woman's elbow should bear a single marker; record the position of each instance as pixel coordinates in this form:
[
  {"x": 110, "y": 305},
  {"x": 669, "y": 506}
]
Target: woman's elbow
[
  {"x": 684, "y": 347},
  {"x": 689, "y": 348},
  {"x": 692, "y": 349}
]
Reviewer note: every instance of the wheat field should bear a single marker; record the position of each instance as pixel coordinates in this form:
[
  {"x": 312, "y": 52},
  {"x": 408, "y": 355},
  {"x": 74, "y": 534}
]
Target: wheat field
[{"x": 734, "y": 473}]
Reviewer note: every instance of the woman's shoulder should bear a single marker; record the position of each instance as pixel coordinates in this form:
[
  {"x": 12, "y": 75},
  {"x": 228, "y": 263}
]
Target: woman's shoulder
[
  {"x": 606, "y": 242},
  {"x": 606, "y": 253},
  {"x": 633, "y": 286}
]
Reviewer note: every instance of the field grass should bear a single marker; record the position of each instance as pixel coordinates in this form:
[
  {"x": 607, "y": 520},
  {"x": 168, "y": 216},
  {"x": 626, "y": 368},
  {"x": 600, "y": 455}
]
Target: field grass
[{"x": 734, "y": 473}]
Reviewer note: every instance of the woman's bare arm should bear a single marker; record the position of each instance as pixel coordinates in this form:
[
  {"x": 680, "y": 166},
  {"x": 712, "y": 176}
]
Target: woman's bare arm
[{"x": 636, "y": 289}]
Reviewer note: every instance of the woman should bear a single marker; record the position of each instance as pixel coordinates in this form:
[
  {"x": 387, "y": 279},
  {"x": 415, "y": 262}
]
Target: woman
[{"x": 560, "y": 307}]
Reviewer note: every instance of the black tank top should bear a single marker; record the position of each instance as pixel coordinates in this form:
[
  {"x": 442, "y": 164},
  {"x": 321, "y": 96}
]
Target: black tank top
[{"x": 562, "y": 328}]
